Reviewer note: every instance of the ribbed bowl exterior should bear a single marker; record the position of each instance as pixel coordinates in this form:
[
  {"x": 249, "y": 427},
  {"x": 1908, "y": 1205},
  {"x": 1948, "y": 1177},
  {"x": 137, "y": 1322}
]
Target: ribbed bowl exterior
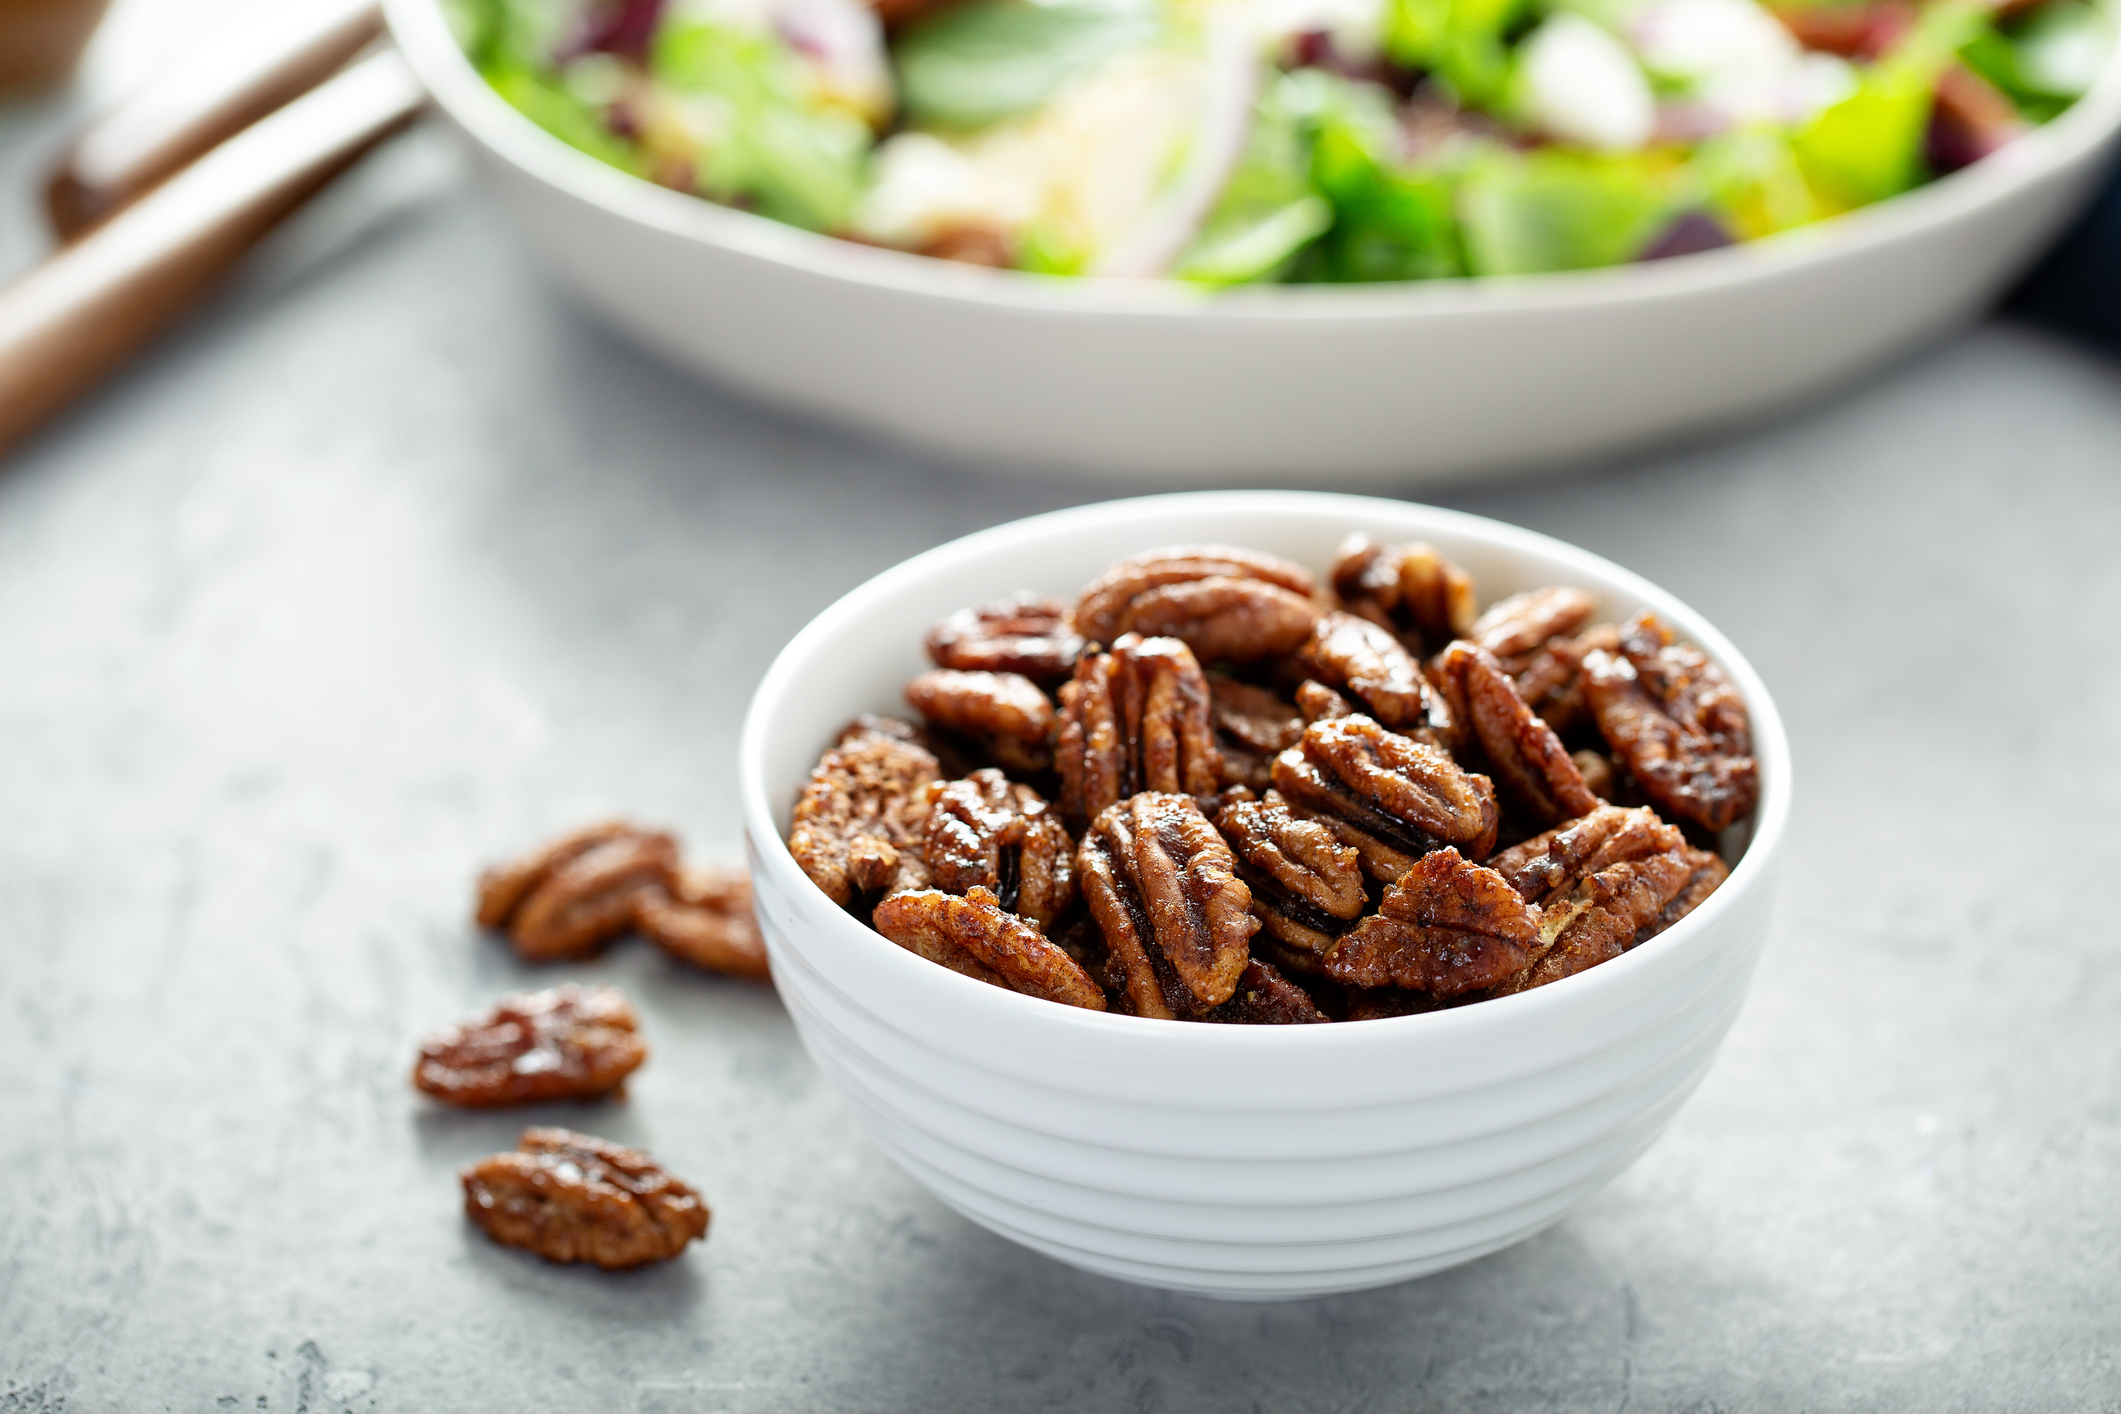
[{"x": 1239, "y": 1162}]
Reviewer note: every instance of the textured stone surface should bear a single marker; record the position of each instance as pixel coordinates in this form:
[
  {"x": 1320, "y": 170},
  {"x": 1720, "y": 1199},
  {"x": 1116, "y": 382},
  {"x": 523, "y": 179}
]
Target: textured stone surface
[{"x": 390, "y": 564}]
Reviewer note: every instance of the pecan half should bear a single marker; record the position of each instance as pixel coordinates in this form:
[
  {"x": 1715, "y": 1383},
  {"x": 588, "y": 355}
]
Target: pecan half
[
  {"x": 1545, "y": 867},
  {"x": 1381, "y": 1003},
  {"x": 1368, "y": 663},
  {"x": 1252, "y": 726},
  {"x": 706, "y": 920},
  {"x": 1603, "y": 916},
  {"x": 1224, "y": 619},
  {"x": 1005, "y": 712},
  {"x": 1266, "y": 998},
  {"x": 1523, "y": 622},
  {"x": 858, "y": 824},
  {"x": 570, "y": 898},
  {"x": 1134, "y": 719},
  {"x": 1027, "y": 634},
  {"x": 1306, "y": 885},
  {"x": 1105, "y": 609},
  {"x": 1392, "y": 797},
  {"x": 571, "y": 1198},
  {"x": 988, "y": 832},
  {"x": 1318, "y": 702},
  {"x": 1009, "y": 952},
  {"x": 1527, "y": 759},
  {"x": 1448, "y": 926},
  {"x": 1164, "y": 889},
  {"x": 1677, "y": 723},
  {"x": 565, "y": 1043},
  {"x": 1411, "y": 590}
]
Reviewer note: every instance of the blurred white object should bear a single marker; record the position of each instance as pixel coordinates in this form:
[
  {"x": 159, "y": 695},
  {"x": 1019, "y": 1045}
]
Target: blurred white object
[
  {"x": 1737, "y": 60},
  {"x": 1389, "y": 382},
  {"x": 1581, "y": 85},
  {"x": 1246, "y": 1162}
]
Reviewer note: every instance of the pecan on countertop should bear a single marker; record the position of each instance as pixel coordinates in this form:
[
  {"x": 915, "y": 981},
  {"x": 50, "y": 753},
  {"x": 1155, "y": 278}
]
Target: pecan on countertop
[
  {"x": 1391, "y": 797},
  {"x": 1447, "y": 927},
  {"x": 1410, "y": 590},
  {"x": 1134, "y": 719},
  {"x": 1175, "y": 916},
  {"x": 565, "y": 1043},
  {"x": 1027, "y": 634},
  {"x": 1226, "y": 603},
  {"x": 706, "y": 920},
  {"x": 1367, "y": 663},
  {"x": 989, "y": 832},
  {"x": 579, "y": 892},
  {"x": 1677, "y": 723},
  {"x": 1266, "y": 998},
  {"x": 1006, "y": 951},
  {"x": 570, "y": 1198},
  {"x": 858, "y": 824},
  {"x": 1005, "y": 714},
  {"x": 1527, "y": 760},
  {"x": 1307, "y": 886},
  {"x": 1252, "y": 727}
]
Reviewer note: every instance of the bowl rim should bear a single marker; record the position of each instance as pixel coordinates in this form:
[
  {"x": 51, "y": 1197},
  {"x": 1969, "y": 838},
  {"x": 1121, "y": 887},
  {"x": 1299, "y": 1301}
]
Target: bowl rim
[
  {"x": 1753, "y": 871},
  {"x": 423, "y": 35}
]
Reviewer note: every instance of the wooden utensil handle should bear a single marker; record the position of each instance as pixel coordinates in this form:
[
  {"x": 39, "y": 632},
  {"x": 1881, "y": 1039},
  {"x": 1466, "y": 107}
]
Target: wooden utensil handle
[
  {"x": 82, "y": 313},
  {"x": 275, "y": 51}
]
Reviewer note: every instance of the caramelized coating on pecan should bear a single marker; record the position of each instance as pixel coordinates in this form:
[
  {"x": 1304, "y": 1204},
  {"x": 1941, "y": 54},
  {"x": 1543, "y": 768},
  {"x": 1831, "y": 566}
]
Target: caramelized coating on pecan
[
  {"x": 1107, "y": 608},
  {"x": 1368, "y": 663},
  {"x": 1410, "y": 589},
  {"x": 1317, "y": 702},
  {"x": 1604, "y": 915},
  {"x": 1252, "y": 726},
  {"x": 1527, "y": 759},
  {"x": 706, "y": 920},
  {"x": 1266, "y": 998},
  {"x": 503, "y": 888},
  {"x": 1224, "y": 619},
  {"x": 1447, "y": 927},
  {"x": 1677, "y": 723},
  {"x": 1306, "y": 885},
  {"x": 565, "y": 1043},
  {"x": 859, "y": 822},
  {"x": 1707, "y": 871},
  {"x": 983, "y": 704},
  {"x": 1523, "y": 622},
  {"x": 987, "y": 831},
  {"x": 1164, "y": 889},
  {"x": 1379, "y": 1003},
  {"x": 1134, "y": 719},
  {"x": 1387, "y": 790},
  {"x": 1011, "y": 952},
  {"x": 1548, "y": 866},
  {"x": 571, "y": 1198},
  {"x": 1027, "y": 634},
  {"x": 583, "y": 897}
]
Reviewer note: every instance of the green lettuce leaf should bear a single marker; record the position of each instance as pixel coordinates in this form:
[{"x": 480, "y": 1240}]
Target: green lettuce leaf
[
  {"x": 1268, "y": 210},
  {"x": 1559, "y": 209},
  {"x": 987, "y": 60},
  {"x": 1869, "y": 145}
]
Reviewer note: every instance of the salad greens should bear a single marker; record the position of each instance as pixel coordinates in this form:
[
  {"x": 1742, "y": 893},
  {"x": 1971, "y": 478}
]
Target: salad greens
[{"x": 1229, "y": 142}]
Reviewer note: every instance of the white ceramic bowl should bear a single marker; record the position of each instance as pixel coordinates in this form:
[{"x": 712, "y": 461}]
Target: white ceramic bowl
[
  {"x": 1233, "y": 1161},
  {"x": 1372, "y": 381}
]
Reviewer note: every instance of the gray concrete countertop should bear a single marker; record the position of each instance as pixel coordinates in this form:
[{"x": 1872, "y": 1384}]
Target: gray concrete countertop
[{"x": 390, "y": 563}]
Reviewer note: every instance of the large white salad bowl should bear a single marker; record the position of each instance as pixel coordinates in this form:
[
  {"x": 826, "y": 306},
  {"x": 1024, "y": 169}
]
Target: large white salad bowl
[
  {"x": 1243, "y": 1162},
  {"x": 1387, "y": 382}
]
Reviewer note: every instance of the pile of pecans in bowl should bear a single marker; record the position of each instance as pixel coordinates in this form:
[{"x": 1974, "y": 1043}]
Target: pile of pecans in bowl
[{"x": 1209, "y": 790}]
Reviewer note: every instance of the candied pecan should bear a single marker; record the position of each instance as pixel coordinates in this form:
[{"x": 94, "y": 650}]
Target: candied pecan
[
  {"x": 857, "y": 826},
  {"x": 1027, "y": 634},
  {"x": 1523, "y": 622},
  {"x": 1676, "y": 722},
  {"x": 1252, "y": 726},
  {"x": 706, "y": 920},
  {"x": 1409, "y": 589},
  {"x": 1266, "y": 998},
  {"x": 1390, "y": 796},
  {"x": 1448, "y": 926},
  {"x": 588, "y": 896},
  {"x": 1596, "y": 768},
  {"x": 504, "y": 887},
  {"x": 1603, "y": 916},
  {"x": 566, "y": 1043},
  {"x": 1165, "y": 892},
  {"x": 986, "y": 831},
  {"x": 1134, "y": 719},
  {"x": 1379, "y": 1003},
  {"x": 1009, "y": 952},
  {"x": 1369, "y": 663},
  {"x": 983, "y": 704},
  {"x": 1317, "y": 702},
  {"x": 571, "y": 1198},
  {"x": 1306, "y": 885},
  {"x": 1528, "y": 760},
  {"x": 1225, "y": 616},
  {"x": 1545, "y": 867},
  {"x": 1707, "y": 872}
]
